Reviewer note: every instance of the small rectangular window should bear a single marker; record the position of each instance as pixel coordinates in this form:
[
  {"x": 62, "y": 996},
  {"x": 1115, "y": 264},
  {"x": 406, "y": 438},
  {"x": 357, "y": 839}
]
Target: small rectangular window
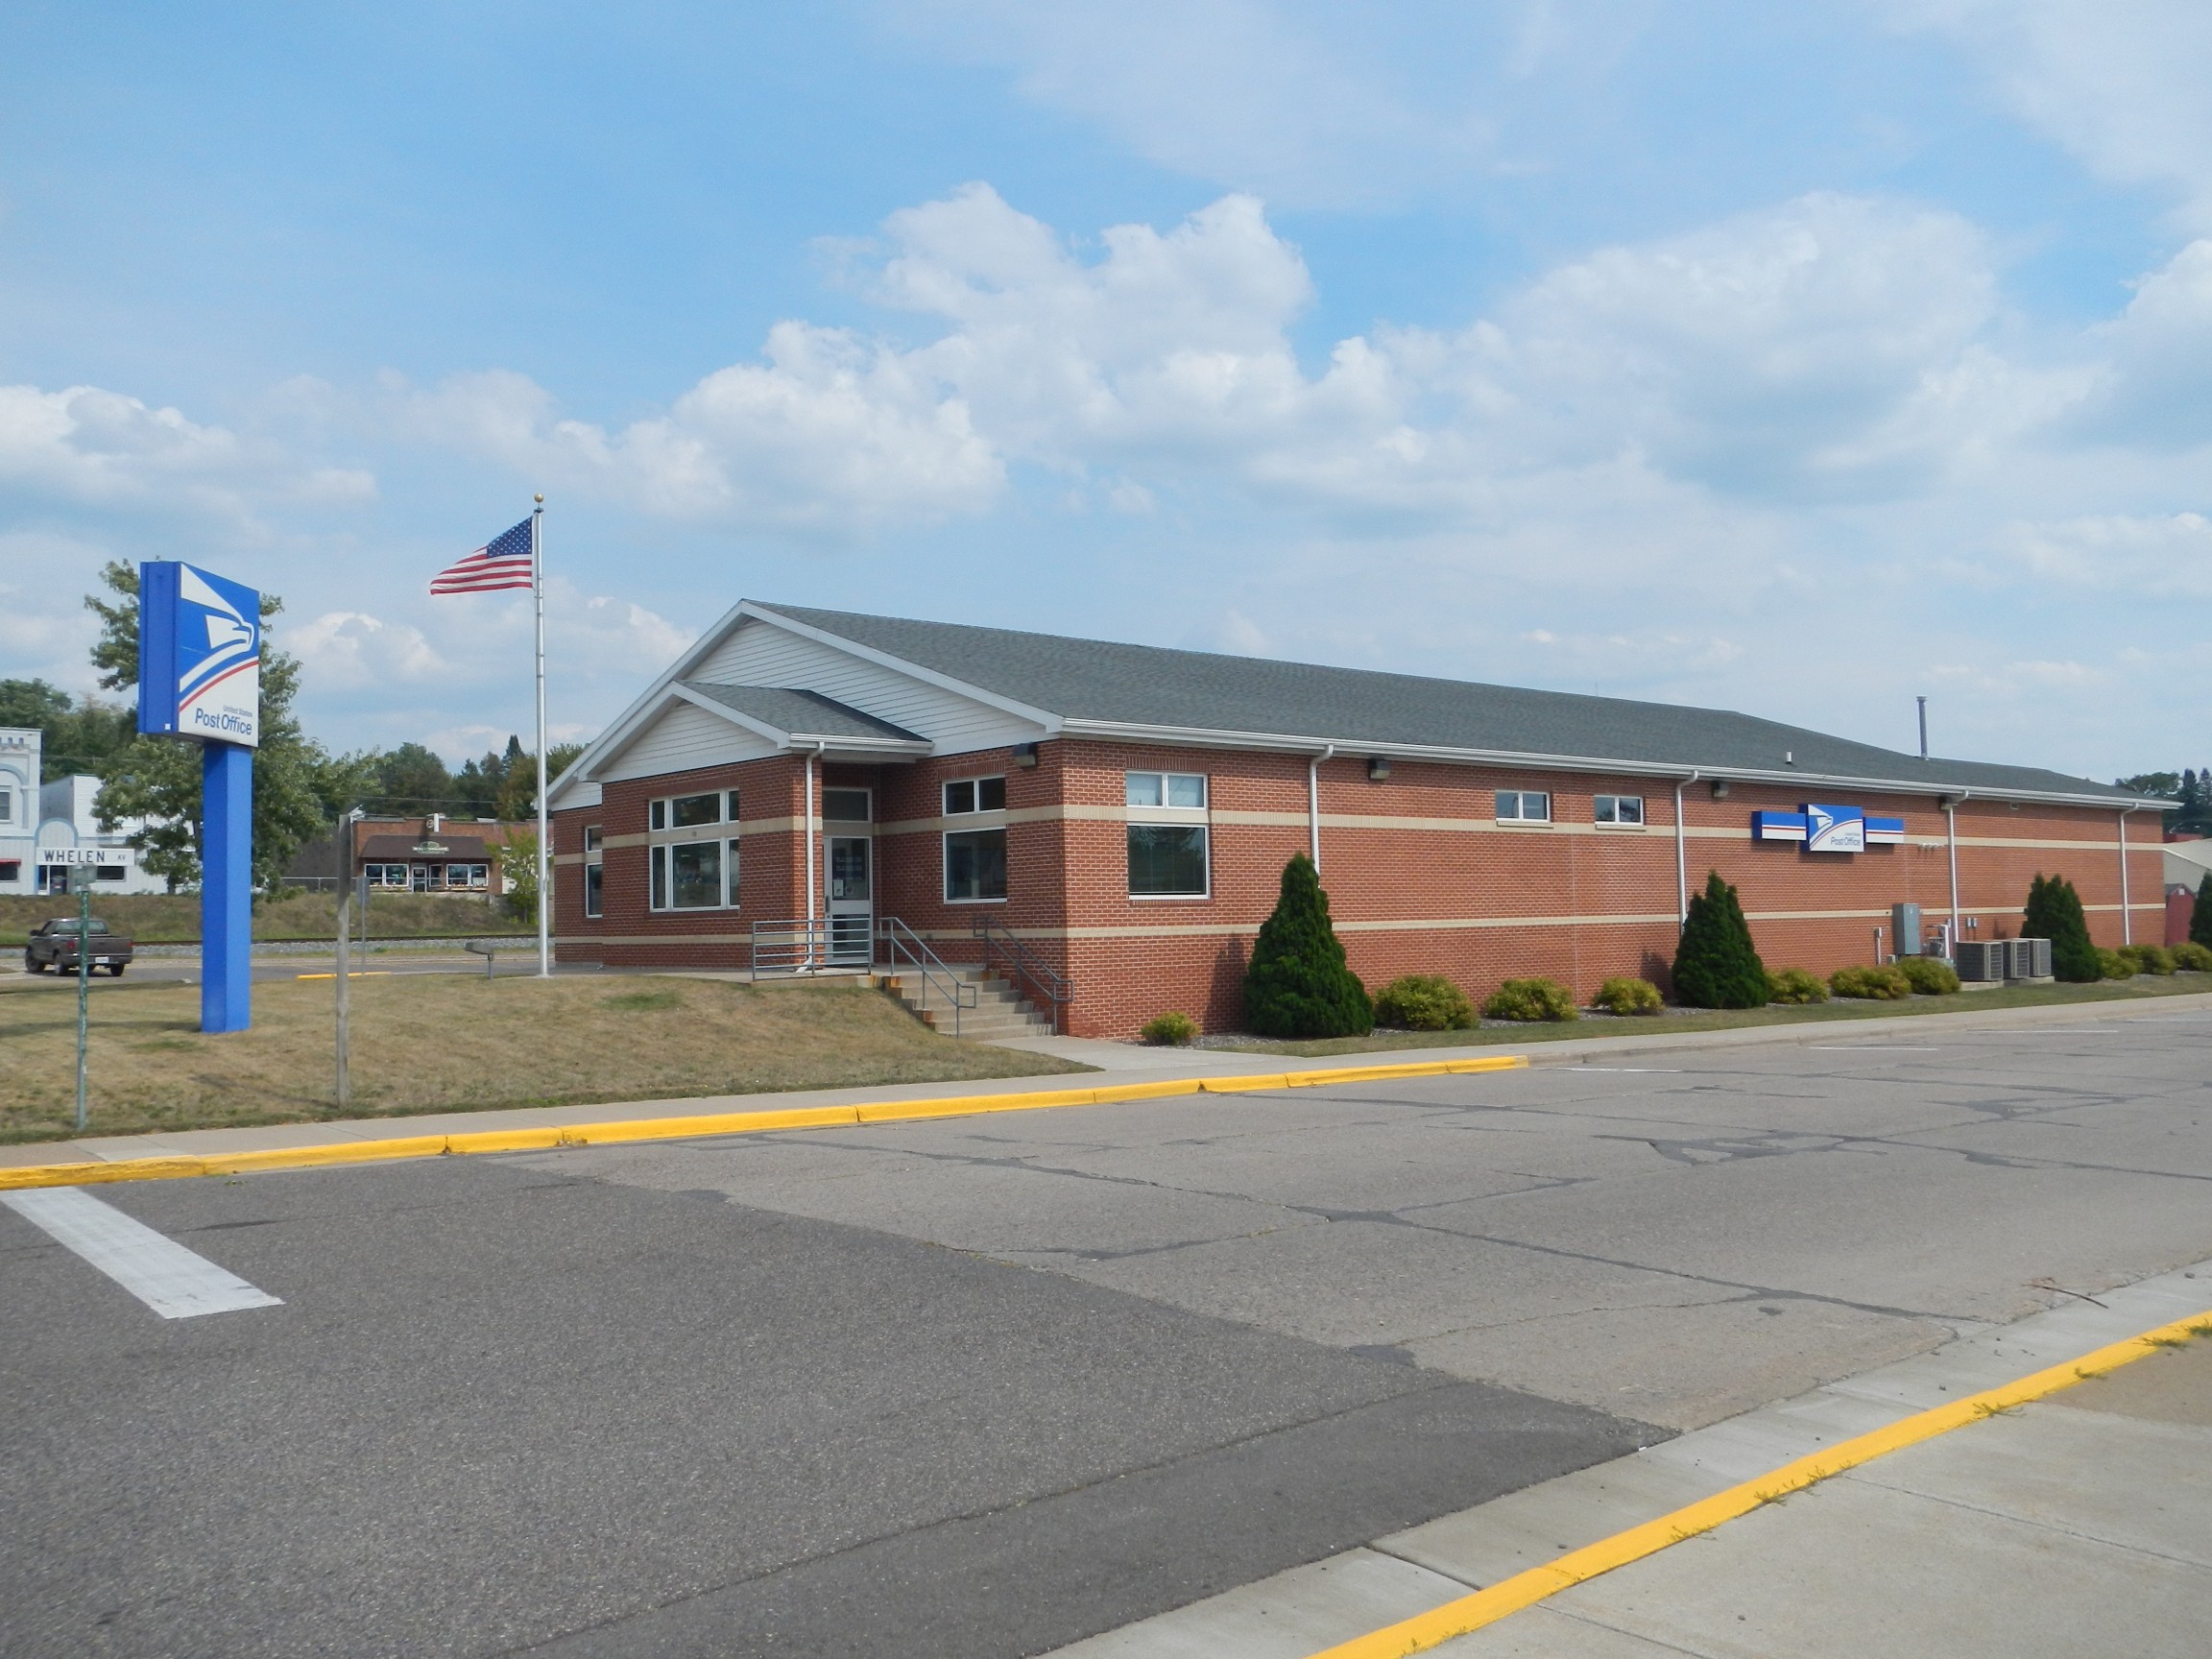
[
  {"x": 845, "y": 806},
  {"x": 110, "y": 872},
  {"x": 729, "y": 872},
  {"x": 990, "y": 794},
  {"x": 1523, "y": 807},
  {"x": 656, "y": 816},
  {"x": 964, "y": 795},
  {"x": 690, "y": 811},
  {"x": 960, "y": 795},
  {"x": 730, "y": 806},
  {"x": 594, "y": 889},
  {"x": 6, "y": 807},
  {"x": 975, "y": 865},
  {"x": 659, "y": 866},
  {"x": 593, "y": 838},
  {"x": 1617, "y": 808},
  {"x": 1182, "y": 789},
  {"x": 695, "y": 875},
  {"x": 1167, "y": 861}
]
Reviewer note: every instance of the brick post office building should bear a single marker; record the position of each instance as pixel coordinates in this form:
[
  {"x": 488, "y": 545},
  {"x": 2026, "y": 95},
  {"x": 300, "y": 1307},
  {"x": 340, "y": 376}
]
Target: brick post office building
[{"x": 1119, "y": 816}]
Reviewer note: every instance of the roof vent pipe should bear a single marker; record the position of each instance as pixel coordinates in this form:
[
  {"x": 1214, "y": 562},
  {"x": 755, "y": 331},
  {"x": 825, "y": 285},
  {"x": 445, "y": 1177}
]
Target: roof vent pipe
[{"x": 1923, "y": 701}]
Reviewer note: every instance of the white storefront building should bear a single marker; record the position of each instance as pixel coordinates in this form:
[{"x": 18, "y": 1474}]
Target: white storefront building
[{"x": 51, "y": 843}]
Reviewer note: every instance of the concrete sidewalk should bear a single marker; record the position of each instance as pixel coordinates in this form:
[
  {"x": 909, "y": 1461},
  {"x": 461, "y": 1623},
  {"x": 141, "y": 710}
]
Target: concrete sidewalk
[
  {"x": 1126, "y": 1062},
  {"x": 2080, "y": 1524}
]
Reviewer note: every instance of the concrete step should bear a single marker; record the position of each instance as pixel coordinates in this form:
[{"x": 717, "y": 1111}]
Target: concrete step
[{"x": 999, "y": 1010}]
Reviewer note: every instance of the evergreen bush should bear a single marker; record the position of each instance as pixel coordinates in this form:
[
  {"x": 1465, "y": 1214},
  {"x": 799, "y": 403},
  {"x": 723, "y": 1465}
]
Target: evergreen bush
[
  {"x": 1628, "y": 996},
  {"x": 2054, "y": 913},
  {"x": 1883, "y": 984},
  {"x": 1797, "y": 987},
  {"x": 1929, "y": 975},
  {"x": 2148, "y": 958},
  {"x": 1169, "y": 1030},
  {"x": 1424, "y": 1002},
  {"x": 2111, "y": 965},
  {"x": 1532, "y": 1000},
  {"x": 1298, "y": 985},
  {"x": 1715, "y": 964},
  {"x": 2191, "y": 957},
  {"x": 2201, "y": 916}
]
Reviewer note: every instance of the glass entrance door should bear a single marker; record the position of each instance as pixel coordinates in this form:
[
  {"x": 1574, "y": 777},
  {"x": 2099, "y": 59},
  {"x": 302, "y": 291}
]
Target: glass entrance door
[{"x": 852, "y": 906}]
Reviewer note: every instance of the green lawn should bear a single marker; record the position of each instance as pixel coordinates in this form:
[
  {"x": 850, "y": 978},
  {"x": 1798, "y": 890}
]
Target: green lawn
[{"x": 174, "y": 919}]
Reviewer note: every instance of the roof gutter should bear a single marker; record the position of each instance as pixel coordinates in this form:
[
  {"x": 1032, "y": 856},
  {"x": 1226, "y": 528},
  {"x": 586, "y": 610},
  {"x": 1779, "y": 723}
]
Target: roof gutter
[
  {"x": 1125, "y": 732},
  {"x": 1313, "y": 801},
  {"x": 1682, "y": 854}
]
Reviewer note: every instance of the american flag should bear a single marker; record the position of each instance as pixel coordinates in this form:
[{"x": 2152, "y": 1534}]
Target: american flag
[{"x": 503, "y": 562}]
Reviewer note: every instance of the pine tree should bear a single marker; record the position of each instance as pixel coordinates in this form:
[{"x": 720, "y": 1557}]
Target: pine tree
[
  {"x": 2200, "y": 917},
  {"x": 1715, "y": 964},
  {"x": 2054, "y": 912},
  {"x": 1298, "y": 984}
]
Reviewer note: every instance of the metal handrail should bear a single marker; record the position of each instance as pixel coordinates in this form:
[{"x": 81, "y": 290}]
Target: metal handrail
[
  {"x": 792, "y": 945},
  {"x": 1056, "y": 988},
  {"x": 896, "y": 940}
]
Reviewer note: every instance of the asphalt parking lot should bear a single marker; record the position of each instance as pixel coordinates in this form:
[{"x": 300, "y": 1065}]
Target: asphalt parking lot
[{"x": 985, "y": 1385}]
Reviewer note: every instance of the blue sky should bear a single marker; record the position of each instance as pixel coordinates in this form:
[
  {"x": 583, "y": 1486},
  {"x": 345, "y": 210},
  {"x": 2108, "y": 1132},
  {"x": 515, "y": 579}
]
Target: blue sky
[{"x": 1792, "y": 359}]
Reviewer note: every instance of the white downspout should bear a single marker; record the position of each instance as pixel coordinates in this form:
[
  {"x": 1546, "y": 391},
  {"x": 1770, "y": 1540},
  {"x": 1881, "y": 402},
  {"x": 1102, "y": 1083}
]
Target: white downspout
[
  {"x": 1313, "y": 801},
  {"x": 807, "y": 831},
  {"x": 1681, "y": 857},
  {"x": 2126, "y": 913},
  {"x": 1951, "y": 822}
]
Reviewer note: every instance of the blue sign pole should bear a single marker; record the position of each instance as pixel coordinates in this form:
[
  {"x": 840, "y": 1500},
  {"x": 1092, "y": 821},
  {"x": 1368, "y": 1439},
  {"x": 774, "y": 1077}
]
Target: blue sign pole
[
  {"x": 200, "y": 680},
  {"x": 225, "y": 887}
]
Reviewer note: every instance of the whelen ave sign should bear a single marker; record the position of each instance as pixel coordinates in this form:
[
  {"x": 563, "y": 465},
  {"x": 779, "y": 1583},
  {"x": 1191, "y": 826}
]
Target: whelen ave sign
[{"x": 1828, "y": 828}]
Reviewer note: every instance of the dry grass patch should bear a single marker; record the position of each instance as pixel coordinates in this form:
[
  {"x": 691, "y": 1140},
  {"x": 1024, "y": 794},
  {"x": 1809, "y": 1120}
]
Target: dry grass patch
[{"x": 437, "y": 1043}]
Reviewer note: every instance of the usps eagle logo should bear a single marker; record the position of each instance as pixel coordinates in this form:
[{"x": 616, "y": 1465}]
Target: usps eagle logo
[{"x": 218, "y": 661}]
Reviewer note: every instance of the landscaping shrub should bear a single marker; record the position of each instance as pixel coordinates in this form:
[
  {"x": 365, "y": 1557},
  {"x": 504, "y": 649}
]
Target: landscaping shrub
[
  {"x": 1796, "y": 986},
  {"x": 1929, "y": 975},
  {"x": 2148, "y": 958},
  {"x": 1715, "y": 964},
  {"x": 2191, "y": 957},
  {"x": 1169, "y": 1030},
  {"x": 1628, "y": 996},
  {"x": 1532, "y": 1000},
  {"x": 2054, "y": 913},
  {"x": 2200, "y": 915},
  {"x": 1883, "y": 984},
  {"x": 1298, "y": 984},
  {"x": 2111, "y": 965},
  {"x": 1424, "y": 1002}
]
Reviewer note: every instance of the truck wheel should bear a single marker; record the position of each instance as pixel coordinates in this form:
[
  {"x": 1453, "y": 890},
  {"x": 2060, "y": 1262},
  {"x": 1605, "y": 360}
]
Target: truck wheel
[
  {"x": 117, "y": 969},
  {"x": 32, "y": 964}
]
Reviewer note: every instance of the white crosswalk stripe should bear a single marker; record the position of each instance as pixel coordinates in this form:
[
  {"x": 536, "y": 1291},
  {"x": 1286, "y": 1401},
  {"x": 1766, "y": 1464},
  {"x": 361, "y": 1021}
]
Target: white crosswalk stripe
[{"x": 175, "y": 1282}]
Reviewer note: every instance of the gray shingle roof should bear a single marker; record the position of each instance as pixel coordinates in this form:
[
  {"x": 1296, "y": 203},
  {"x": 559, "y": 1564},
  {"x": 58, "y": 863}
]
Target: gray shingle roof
[
  {"x": 1152, "y": 686},
  {"x": 800, "y": 714}
]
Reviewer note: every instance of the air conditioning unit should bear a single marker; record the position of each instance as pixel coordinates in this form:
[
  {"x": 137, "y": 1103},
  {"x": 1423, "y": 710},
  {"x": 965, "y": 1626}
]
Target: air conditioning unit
[
  {"x": 2030, "y": 959},
  {"x": 1982, "y": 961}
]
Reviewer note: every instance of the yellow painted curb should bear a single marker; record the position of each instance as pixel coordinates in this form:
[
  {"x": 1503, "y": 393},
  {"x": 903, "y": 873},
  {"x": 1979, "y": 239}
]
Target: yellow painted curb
[
  {"x": 1440, "y": 1624},
  {"x": 715, "y": 1124}
]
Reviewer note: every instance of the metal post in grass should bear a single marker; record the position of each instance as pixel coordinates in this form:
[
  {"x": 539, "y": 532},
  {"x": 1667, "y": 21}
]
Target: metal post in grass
[
  {"x": 84, "y": 986},
  {"x": 345, "y": 980}
]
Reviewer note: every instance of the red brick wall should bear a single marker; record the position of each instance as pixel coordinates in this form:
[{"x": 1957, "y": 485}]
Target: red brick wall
[{"x": 1571, "y": 900}]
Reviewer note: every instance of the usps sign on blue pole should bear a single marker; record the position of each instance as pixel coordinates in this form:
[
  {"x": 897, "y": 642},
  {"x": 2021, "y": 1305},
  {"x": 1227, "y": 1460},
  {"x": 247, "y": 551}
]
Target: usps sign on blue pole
[
  {"x": 200, "y": 680},
  {"x": 199, "y": 655}
]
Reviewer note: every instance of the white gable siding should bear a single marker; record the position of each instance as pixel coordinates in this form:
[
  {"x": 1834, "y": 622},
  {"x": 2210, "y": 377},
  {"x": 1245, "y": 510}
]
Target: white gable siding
[
  {"x": 682, "y": 737},
  {"x": 759, "y": 654}
]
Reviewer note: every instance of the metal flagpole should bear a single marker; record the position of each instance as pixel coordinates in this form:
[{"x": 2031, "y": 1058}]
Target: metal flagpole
[{"x": 544, "y": 859}]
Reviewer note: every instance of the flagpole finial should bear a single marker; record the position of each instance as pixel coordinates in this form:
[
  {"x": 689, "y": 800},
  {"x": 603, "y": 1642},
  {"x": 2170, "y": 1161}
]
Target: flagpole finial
[{"x": 540, "y": 500}]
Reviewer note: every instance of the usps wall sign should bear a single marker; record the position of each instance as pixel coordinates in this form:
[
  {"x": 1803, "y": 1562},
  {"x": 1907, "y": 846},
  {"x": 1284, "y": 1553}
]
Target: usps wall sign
[
  {"x": 199, "y": 656},
  {"x": 1823, "y": 829}
]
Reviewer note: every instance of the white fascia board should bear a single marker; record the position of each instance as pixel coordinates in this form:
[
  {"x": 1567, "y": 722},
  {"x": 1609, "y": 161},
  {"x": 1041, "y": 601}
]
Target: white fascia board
[
  {"x": 648, "y": 704},
  {"x": 1195, "y": 738},
  {"x": 1044, "y": 717}
]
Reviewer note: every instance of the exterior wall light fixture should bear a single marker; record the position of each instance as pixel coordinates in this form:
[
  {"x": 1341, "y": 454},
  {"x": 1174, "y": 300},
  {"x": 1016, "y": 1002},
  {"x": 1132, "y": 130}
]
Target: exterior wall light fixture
[
  {"x": 1024, "y": 755},
  {"x": 1719, "y": 788},
  {"x": 1378, "y": 768}
]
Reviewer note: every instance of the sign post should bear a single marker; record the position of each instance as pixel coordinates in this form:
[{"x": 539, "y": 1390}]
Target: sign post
[
  {"x": 83, "y": 990},
  {"x": 200, "y": 680}
]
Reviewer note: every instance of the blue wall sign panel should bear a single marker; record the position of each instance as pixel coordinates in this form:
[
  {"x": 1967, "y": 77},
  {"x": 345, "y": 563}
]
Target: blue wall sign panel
[
  {"x": 1885, "y": 831},
  {"x": 199, "y": 655},
  {"x": 1777, "y": 826}
]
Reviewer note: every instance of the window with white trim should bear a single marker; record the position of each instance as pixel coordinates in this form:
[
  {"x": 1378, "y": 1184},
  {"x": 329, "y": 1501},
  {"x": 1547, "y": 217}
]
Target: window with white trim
[
  {"x": 976, "y": 858},
  {"x": 1616, "y": 808},
  {"x": 386, "y": 874},
  {"x": 1168, "y": 835},
  {"x": 964, "y": 795},
  {"x": 595, "y": 870},
  {"x": 684, "y": 870},
  {"x": 1523, "y": 807}
]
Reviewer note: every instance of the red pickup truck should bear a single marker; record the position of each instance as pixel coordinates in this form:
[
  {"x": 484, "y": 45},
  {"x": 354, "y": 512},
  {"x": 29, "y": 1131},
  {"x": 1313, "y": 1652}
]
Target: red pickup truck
[{"x": 54, "y": 945}]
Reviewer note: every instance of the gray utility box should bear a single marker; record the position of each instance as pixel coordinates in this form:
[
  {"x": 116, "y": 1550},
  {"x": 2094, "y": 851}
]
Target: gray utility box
[
  {"x": 2030, "y": 959},
  {"x": 1905, "y": 929},
  {"x": 1982, "y": 961}
]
